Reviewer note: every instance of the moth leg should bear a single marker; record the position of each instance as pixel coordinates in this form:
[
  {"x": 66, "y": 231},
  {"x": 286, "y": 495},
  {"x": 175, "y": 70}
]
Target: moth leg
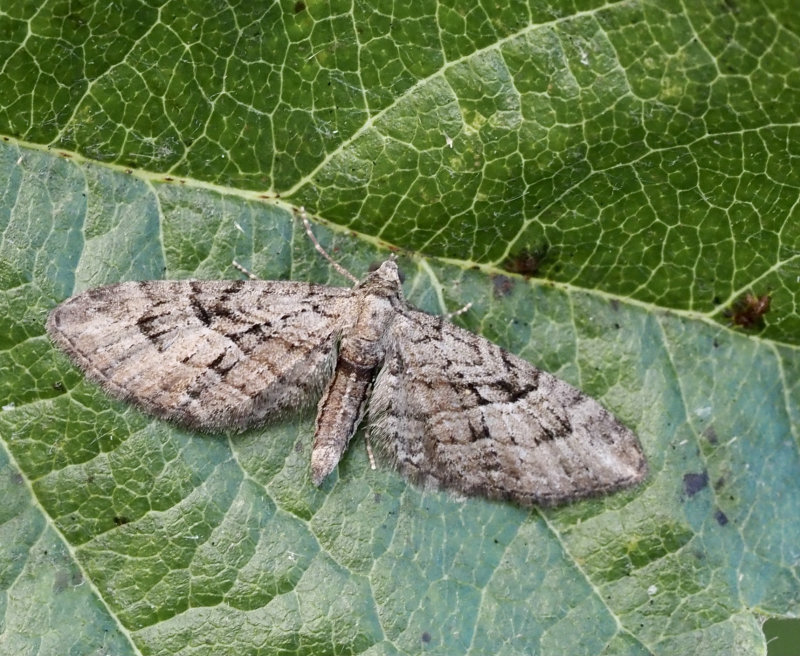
[
  {"x": 244, "y": 270},
  {"x": 461, "y": 310},
  {"x": 322, "y": 251},
  {"x": 370, "y": 455}
]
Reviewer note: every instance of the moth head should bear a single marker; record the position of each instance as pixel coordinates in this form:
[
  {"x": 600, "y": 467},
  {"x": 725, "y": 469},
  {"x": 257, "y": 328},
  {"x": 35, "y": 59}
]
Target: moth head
[{"x": 386, "y": 277}]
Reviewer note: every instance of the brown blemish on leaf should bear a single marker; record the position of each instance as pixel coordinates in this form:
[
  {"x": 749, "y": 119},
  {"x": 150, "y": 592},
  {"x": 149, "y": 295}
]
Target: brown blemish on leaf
[
  {"x": 526, "y": 262},
  {"x": 748, "y": 311},
  {"x": 503, "y": 285}
]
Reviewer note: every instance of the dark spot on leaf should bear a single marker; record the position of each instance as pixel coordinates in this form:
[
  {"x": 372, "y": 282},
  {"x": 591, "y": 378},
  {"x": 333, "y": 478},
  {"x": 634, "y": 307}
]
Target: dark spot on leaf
[
  {"x": 16, "y": 478},
  {"x": 58, "y": 385},
  {"x": 715, "y": 343},
  {"x": 748, "y": 311},
  {"x": 719, "y": 483},
  {"x": 299, "y": 6},
  {"x": 426, "y": 637},
  {"x": 121, "y": 520},
  {"x": 503, "y": 285},
  {"x": 721, "y": 518},
  {"x": 298, "y": 446},
  {"x": 693, "y": 483},
  {"x": 527, "y": 262},
  {"x": 711, "y": 435}
]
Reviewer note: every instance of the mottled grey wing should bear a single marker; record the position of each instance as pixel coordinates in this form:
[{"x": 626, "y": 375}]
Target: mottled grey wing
[
  {"x": 208, "y": 354},
  {"x": 450, "y": 409}
]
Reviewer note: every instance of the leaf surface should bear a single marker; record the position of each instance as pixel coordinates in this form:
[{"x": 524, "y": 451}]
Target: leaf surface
[{"x": 635, "y": 159}]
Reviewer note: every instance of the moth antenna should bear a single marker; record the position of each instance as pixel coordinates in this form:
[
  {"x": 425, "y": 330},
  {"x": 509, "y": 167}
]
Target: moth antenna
[{"x": 322, "y": 251}]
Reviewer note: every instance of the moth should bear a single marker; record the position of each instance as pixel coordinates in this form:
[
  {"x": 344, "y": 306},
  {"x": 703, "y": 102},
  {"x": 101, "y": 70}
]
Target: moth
[{"x": 447, "y": 408}]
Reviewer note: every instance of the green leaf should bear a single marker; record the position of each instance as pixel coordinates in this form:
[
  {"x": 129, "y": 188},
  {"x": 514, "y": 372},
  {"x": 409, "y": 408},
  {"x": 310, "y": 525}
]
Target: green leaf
[{"x": 640, "y": 157}]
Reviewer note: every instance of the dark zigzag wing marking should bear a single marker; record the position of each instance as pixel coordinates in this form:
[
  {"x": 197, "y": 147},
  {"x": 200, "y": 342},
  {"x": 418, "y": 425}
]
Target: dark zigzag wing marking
[
  {"x": 207, "y": 354},
  {"x": 451, "y": 409}
]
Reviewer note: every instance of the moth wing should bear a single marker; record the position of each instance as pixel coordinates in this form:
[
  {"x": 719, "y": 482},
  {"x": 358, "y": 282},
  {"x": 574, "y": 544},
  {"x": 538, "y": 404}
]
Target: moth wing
[
  {"x": 451, "y": 409},
  {"x": 210, "y": 355}
]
